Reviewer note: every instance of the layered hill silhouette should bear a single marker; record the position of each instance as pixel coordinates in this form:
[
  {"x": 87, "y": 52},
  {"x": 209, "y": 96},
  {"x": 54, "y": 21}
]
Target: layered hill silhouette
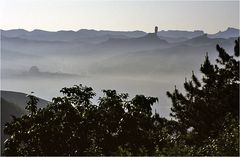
[
  {"x": 90, "y": 34},
  {"x": 65, "y": 56},
  {"x": 204, "y": 40},
  {"x": 35, "y": 72},
  {"x": 40, "y": 42},
  {"x": 229, "y": 33},
  {"x": 69, "y": 35},
  {"x": 150, "y": 40},
  {"x": 180, "y": 34}
]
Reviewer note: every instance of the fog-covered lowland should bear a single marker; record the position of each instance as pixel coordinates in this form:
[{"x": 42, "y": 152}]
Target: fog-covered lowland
[{"x": 135, "y": 62}]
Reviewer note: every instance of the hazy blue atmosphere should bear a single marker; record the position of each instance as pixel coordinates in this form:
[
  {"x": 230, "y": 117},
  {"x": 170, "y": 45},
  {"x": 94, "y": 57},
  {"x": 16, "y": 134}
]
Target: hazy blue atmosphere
[{"x": 37, "y": 56}]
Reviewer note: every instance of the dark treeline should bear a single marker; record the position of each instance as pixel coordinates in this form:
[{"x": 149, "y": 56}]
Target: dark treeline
[{"x": 206, "y": 119}]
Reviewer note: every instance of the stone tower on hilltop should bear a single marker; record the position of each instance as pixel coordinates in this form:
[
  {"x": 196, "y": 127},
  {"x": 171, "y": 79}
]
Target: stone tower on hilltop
[{"x": 156, "y": 30}]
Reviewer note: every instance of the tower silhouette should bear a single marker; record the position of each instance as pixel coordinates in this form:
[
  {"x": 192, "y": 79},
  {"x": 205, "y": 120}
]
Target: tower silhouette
[{"x": 156, "y": 30}]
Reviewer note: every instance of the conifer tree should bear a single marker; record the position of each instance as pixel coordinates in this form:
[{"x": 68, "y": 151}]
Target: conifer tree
[{"x": 207, "y": 102}]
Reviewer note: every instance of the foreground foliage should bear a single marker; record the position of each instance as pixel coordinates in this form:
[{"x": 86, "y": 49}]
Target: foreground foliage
[{"x": 206, "y": 120}]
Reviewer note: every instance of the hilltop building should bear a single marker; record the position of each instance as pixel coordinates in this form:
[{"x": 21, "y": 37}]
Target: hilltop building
[
  {"x": 156, "y": 30},
  {"x": 154, "y": 34}
]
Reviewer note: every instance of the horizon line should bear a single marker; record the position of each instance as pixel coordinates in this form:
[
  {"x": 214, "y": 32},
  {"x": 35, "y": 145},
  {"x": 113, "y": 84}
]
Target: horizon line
[{"x": 92, "y": 29}]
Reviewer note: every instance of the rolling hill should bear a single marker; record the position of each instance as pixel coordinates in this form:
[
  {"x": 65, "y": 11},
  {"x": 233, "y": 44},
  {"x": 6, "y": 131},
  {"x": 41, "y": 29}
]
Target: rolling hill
[
  {"x": 13, "y": 104},
  {"x": 8, "y": 109},
  {"x": 20, "y": 99}
]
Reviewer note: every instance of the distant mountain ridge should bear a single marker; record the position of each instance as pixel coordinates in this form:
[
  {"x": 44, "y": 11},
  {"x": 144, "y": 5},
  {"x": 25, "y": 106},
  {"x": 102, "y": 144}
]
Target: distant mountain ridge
[
  {"x": 84, "y": 34},
  {"x": 180, "y": 34},
  {"x": 17, "y": 42},
  {"x": 150, "y": 38},
  {"x": 67, "y": 35},
  {"x": 229, "y": 33},
  {"x": 206, "y": 40}
]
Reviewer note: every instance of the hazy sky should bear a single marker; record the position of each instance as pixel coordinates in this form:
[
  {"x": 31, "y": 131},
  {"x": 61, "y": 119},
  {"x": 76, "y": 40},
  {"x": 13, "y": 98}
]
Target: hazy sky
[{"x": 210, "y": 16}]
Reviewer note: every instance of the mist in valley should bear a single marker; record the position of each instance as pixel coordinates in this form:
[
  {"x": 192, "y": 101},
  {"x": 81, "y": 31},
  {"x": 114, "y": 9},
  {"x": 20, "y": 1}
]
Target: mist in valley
[{"x": 129, "y": 62}]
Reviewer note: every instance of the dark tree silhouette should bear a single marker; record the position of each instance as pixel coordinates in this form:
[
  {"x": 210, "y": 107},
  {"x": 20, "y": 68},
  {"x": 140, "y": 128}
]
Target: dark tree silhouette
[
  {"x": 205, "y": 105},
  {"x": 32, "y": 104},
  {"x": 72, "y": 125}
]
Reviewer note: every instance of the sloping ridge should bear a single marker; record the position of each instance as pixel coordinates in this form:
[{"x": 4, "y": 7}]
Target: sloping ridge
[
  {"x": 204, "y": 39},
  {"x": 13, "y": 104},
  {"x": 20, "y": 99},
  {"x": 8, "y": 109},
  {"x": 228, "y": 33}
]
